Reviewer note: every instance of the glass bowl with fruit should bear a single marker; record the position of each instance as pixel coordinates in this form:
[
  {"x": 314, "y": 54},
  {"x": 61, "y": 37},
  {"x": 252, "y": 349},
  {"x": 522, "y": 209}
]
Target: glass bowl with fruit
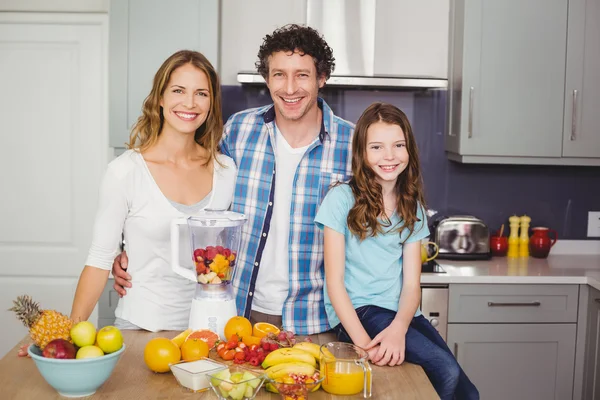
[
  {"x": 294, "y": 386},
  {"x": 236, "y": 383}
]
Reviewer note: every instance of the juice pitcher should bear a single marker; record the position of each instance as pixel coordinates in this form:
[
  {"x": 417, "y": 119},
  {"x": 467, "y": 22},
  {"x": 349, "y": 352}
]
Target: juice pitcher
[
  {"x": 345, "y": 369},
  {"x": 214, "y": 240}
]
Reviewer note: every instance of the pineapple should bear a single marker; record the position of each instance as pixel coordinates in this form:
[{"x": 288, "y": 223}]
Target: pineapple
[{"x": 44, "y": 325}]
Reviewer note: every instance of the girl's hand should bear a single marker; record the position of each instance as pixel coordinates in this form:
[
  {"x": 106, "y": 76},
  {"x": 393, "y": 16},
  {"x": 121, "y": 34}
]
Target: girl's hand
[
  {"x": 392, "y": 345},
  {"x": 373, "y": 353}
]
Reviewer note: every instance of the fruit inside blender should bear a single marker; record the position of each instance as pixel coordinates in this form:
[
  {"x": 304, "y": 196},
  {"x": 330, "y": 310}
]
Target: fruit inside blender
[{"x": 214, "y": 264}]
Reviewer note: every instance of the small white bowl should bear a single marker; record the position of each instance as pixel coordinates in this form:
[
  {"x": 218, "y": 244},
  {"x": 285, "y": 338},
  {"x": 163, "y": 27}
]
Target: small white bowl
[{"x": 192, "y": 374}]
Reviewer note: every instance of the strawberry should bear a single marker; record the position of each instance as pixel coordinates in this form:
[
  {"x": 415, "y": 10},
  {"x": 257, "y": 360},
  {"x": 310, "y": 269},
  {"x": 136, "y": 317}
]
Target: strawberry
[
  {"x": 228, "y": 355},
  {"x": 220, "y": 249},
  {"x": 198, "y": 253},
  {"x": 210, "y": 254},
  {"x": 231, "y": 345},
  {"x": 240, "y": 356},
  {"x": 226, "y": 253}
]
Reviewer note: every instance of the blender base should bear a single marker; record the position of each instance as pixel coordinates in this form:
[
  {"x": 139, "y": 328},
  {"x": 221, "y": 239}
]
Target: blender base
[{"x": 213, "y": 315}]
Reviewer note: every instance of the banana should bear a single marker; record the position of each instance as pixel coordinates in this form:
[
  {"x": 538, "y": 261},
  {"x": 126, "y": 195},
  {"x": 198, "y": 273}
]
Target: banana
[
  {"x": 315, "y": 350},
  {"x": 279, "y": 371},
  {"x": 288, "y": 355}
]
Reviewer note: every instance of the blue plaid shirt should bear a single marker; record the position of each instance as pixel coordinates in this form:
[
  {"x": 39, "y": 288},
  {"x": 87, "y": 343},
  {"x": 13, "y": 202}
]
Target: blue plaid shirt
[{"x": 248, "y": 139}]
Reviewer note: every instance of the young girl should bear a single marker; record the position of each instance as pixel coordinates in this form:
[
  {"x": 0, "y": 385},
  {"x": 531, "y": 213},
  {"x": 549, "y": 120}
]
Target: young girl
[
  {"x": 171, "y": 171},
  {"x": 373, "y": 227}
]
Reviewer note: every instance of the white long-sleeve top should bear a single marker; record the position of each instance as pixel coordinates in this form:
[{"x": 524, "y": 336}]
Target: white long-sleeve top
[{"x": 132, "y": 206}]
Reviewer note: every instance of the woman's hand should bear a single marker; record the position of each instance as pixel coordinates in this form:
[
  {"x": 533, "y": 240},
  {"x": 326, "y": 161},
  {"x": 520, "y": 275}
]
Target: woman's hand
[{"x": 390, "y": 345}]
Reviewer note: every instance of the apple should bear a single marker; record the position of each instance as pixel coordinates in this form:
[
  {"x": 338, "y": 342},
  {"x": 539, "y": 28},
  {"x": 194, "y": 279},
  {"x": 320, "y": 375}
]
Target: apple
[
  {"x": 109, "y": 339},
  {"x": 59, "y": 348},
  {"x": 89, "y": 352},
  {"x": 83, "y": 334}
]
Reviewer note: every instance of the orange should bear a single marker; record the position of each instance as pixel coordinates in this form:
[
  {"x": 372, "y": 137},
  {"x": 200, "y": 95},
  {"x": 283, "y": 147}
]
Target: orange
[
  {"x": 159, "y": 353},
  {"x": 206, "y": 335},
  {"x": 238, "y": 326},
  {"x": 194, "y": 349},
  {"x": 250, "y": 340},
  {"x": 261, "y": 329},
  {"x": 179, "y": 339}
]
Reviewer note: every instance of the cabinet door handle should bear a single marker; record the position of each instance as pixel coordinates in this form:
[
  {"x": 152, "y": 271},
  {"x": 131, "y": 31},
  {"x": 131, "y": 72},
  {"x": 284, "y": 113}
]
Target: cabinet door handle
[
  {"x": 471, "y": 101},
  {"x": 456, "y": 350},
  {"x": 574, "y": 116},
  {"x": 529, "y": 304}
]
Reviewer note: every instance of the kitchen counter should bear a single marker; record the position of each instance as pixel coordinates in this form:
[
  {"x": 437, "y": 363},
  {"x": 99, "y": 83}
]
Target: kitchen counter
[
  {"x": 131, "y": 379},
  {"x": 556, "y": 269}
]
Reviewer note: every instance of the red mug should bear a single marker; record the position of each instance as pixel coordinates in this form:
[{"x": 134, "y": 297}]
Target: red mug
[
  {"x": 540, "y": 242},
  {"x": 499, "y": 246}
]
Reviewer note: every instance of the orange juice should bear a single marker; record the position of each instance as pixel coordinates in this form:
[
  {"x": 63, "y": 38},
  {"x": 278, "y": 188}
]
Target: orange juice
[{"x": 343, "y": 377}]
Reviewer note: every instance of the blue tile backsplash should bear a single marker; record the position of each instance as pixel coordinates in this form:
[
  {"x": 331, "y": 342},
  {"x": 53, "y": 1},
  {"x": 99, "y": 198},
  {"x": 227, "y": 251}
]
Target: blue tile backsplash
[{"x": 555, "y": 196}]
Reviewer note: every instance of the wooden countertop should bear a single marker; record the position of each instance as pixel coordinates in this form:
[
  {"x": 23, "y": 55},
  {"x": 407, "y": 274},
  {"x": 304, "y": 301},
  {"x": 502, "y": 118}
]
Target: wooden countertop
[{"x": 131, "y": 379}]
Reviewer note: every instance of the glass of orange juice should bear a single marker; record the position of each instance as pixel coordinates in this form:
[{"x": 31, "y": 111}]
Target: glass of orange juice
[{"x": 345, "y": 369}]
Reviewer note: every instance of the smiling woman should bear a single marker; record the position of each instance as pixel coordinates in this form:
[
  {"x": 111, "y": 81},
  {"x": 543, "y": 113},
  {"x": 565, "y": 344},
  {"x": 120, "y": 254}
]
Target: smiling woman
[{"x": 172, "y": 170}]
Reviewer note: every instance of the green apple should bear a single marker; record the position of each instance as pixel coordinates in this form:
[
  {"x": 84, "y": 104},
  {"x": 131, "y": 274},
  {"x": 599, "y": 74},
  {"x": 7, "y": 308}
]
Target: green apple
[
  {"x": 109, "y": 339},
  {"x": 83, "y": 334},
  {"x": 89, "y": 352}
]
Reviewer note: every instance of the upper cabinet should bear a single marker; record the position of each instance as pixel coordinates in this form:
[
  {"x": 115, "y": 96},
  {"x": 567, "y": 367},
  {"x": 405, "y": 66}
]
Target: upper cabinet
[
  {"x": 582, "y": 100},
  {"x": 143, "y": 34},
  {"x": 517, "y": 73}
]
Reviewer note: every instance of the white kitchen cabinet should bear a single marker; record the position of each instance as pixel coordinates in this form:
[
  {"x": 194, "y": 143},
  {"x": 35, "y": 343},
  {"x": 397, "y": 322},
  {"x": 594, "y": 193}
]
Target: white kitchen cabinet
[
  {"x": 509, "y": 62},
  {"x": 515, "y": 341},
  {"x": 591, "y": 373},
  {"x": 582, "y": 101},
  {"x": 516, "y": 361},
  {"x": 143, "y": 34},
  {"x": 53, "y": 152}
]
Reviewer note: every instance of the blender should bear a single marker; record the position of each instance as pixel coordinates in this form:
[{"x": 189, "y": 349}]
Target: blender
[{"x": 214, "y": 237}]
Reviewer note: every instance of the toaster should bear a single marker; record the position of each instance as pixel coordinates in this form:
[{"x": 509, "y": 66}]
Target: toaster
[{"x": 462, "y": 237}]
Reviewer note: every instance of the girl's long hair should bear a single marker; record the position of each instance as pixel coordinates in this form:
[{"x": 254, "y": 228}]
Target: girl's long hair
[
  {"x": 363, "y": 217},
  {"x": 146, "y": 130}
]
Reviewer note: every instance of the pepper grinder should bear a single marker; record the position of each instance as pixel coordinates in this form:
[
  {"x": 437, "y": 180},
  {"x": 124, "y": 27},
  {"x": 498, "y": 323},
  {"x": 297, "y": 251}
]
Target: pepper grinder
[
  {"x": 513, "y": 238},
  {"x": 524, "y": 239}
]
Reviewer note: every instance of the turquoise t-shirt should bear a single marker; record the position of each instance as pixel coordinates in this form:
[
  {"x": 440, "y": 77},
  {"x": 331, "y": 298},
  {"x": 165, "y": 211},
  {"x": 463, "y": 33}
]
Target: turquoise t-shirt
[{"x": 373, "y": 274}]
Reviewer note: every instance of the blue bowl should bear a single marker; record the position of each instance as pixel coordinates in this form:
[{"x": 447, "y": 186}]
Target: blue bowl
[{"x": 75, "y": 378}]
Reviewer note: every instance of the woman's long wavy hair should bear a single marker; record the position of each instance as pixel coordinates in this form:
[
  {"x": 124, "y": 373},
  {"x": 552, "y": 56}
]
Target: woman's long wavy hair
[
  {"x": 363, "y": 217},
  {"x": 148, "y": 127}
]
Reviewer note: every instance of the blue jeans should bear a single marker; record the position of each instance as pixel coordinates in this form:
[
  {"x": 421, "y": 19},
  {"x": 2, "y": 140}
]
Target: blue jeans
[{"x": 424, "y": 347}]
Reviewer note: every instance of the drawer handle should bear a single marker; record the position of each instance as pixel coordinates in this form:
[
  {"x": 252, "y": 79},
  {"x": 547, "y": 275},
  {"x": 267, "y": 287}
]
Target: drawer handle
[{"x": 530, "y": 304}]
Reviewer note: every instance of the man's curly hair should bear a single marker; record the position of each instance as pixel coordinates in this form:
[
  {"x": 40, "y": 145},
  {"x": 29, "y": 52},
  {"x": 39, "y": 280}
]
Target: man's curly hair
[{"x": 292, "y": 37}]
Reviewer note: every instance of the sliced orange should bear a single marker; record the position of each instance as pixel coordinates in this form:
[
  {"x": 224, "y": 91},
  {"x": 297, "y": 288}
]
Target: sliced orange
[
  {"x": 206, "y": 335},
  {"x": 261, "y": 329},
  {"x": 250, "y": 340},
  {"x": 179, "y": 339}
]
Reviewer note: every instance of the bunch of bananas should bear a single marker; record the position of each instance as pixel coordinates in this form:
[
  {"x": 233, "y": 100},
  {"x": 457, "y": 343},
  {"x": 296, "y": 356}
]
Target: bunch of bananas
[{"x": 301, "y": 359}]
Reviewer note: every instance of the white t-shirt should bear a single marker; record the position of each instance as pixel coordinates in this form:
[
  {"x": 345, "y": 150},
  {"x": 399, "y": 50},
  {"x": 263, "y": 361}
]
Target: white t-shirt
[
  {"x": 131, "y": 204},
  {"x": 272, "y": 283}
]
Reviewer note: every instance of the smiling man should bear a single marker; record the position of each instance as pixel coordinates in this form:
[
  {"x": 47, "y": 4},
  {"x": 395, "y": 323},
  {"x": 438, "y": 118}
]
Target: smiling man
[{"x": 288, "y": 153}]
